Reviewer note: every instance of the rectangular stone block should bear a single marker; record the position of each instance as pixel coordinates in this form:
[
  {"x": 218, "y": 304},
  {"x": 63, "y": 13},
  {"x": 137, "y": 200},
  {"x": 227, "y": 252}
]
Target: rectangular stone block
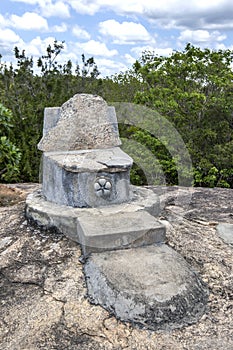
[
  {"x": 111, "y": 231},
  {"x": 73, "y": 178}
]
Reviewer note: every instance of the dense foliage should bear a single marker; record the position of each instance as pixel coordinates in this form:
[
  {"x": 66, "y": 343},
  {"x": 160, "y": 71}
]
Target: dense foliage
[
  {"x": 9, "y": 153},
  {"x": 190, "y": 94},
  {"x": 193, "y": 89}
]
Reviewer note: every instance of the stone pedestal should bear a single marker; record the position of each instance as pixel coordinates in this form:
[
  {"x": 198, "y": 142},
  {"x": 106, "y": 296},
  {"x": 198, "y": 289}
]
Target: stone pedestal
[
  {"x": 83, "y": 165},
  {"x": 90, "y": 178}
]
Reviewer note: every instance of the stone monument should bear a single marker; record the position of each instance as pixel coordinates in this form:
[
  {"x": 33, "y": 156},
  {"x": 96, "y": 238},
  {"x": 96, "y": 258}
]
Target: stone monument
[
  {"x": 82, "y": 143},
  {"x": 86, "y": 194}
]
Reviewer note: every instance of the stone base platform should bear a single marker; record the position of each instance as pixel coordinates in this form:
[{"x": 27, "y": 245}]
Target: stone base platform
[
  {"x": 129, "y": 270},
  {"x": 112, "y": 227},
  {"x": 152, "y": 287}
]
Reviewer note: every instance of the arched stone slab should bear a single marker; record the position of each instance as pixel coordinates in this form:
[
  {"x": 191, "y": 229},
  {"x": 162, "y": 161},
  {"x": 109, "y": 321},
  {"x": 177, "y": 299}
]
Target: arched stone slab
[{"x": 83, "y": 122}]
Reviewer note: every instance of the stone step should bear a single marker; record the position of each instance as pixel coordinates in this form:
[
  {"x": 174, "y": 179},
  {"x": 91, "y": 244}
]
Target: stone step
[{"x": 112, "y": 230}]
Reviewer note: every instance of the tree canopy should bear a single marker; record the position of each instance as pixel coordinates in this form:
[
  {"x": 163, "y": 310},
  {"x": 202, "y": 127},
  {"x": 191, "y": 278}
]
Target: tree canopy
[{"x": 193, "y": 89}]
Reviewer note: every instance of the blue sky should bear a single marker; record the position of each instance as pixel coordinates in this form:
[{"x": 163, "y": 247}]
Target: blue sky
[{"x": 114, "y": 32}]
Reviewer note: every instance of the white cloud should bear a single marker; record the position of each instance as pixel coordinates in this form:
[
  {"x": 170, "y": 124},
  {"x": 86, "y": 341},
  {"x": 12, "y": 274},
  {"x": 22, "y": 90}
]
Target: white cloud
[
  {"x": 109, "y": 67},
  {"x": 57, "y": 9},
  {"x": 118, "y": 6},
  {"x": 80, "y": 33},
  {"x": 201, "y": 36},
  {"x": 60, "y": 28},
  {"x": 28, "y": 21},
  {"x": 84, "y": 6},
  {"x": 31, "y": 50},
  {"x": 3, "y": 22},
  {"x": 130, "y": 59},
  {"x": 195, "y": 14},
  {"x": 125, "y": 32},
  {"x": 192, "y": 14},
  {"x": 137, "y": 51},
  {"x": 163, "y": 51},
  {"x": 199, "y": 22},
  {"x": 97, "y": 48},
  {"x": 42, "y": 44},
  {"x": 37, "y": 46},
  {"x": 50, "y": 8},
  {"x": 8, "y": 35},
  {"x": 221, "y": 46},
  {"x": 8, "y": 40}
]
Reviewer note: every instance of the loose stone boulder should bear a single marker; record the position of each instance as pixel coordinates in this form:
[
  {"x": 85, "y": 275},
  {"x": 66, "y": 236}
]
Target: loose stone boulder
[{"x": 152, "y": 287}]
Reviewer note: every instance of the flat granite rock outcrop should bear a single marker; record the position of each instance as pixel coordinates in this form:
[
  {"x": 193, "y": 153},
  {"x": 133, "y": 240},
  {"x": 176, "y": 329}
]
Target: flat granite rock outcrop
[{"x": 43, "y": 295}]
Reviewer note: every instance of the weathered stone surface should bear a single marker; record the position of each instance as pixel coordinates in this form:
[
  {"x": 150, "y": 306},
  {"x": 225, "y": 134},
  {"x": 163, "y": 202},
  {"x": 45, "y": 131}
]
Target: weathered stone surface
[
  {"x": 150, "y": 286},
  {"x": 67, "y": 219},
  {"x": 108, "y": 160},
  {"x": 54, "y": 313},
  {"x": 198, "y": 204},
  {"x": 51, "y": 117},
  {"x": 69, "y": 178},
  {"x": 85, "y": 122},
  {"x": 225, "y": 231},
  {"x": 112, "y": 230},
  {"x": 10, "y": 195}
]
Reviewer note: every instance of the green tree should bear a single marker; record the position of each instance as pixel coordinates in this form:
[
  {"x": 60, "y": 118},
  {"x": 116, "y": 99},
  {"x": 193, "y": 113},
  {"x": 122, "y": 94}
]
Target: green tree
[
  {"x": 9, "y": 153},
  {"x": 194, "y": 90},
  {"x": 121, "y": 87}
]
